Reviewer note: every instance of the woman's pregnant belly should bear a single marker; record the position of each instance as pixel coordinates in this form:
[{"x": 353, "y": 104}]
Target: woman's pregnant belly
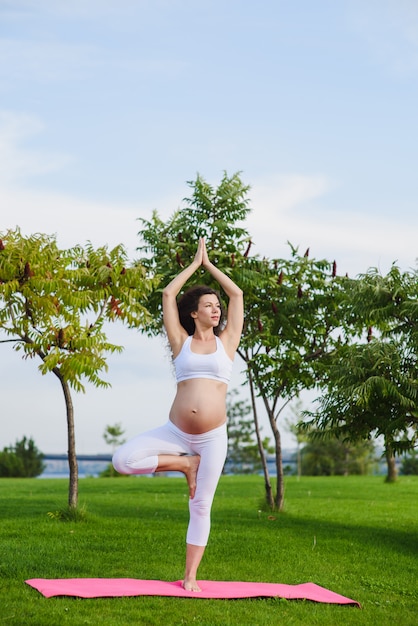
[{"x": 199, "y": 405}]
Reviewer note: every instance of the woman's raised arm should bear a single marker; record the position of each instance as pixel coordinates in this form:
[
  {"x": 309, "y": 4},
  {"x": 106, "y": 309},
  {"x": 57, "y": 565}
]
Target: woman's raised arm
[
  {"x": 235, "y": 317},
  {"x": 175, "y": 332}
]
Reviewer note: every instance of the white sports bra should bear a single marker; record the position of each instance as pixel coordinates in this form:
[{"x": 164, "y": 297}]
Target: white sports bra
[{"x": 216, "y": 366}]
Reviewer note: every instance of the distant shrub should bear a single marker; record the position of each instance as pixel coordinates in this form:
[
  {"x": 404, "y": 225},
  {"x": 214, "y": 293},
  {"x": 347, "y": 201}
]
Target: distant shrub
[
  {"x": 409, "y": 465},
  {"x": 23, "y": 460},
  {"x": 332, "y": 457}
]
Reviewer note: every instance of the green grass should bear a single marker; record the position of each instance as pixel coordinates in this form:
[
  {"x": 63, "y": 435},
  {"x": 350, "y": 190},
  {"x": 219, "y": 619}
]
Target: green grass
[{"x": 356, "y": 536}]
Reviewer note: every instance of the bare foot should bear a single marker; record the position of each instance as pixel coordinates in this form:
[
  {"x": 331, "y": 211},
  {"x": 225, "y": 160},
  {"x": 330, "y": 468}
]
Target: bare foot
[
  {"x": 191, "y": 475},
  {"x": 191, "y": 585}
]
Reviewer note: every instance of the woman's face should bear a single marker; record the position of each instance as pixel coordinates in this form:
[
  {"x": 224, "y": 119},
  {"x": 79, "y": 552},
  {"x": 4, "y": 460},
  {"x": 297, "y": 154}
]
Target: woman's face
[{"x": 208, "y": 310}]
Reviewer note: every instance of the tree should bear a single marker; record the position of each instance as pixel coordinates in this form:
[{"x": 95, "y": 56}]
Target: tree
[
  {"x": 113, "y": 437},
  {"x": 372, "y": 385},
  {"x": 243, "y": 454},
  {"x": 290, "y": 330},
  {"x": 291, "y": 307},
  {"x": 333, "y": 457},
  {"x": 31, "y": 457},
  {"x": 23, "y": 460},
  {"x": 10, "y": 464},
  {"x": 54, "y": 304},
  {"x": 370, "y": 393}
]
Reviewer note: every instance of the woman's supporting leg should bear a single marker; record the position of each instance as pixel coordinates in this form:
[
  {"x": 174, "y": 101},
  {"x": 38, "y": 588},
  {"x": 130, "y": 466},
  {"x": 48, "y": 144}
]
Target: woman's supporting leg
[
  {"x": 194, "y": 555},
  {"x": 212, "y": 448}
]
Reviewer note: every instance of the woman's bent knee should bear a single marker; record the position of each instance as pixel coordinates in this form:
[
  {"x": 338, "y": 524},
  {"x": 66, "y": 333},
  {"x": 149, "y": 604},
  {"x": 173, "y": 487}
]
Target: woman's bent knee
[
  {"x": 119, "y": 464},
  {"x": 133, "y": 465}
]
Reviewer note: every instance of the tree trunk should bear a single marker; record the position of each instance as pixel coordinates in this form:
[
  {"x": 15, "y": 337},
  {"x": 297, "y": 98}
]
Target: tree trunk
[
  {"x": 277, "y": 503},
  {"x": 391, "y": 464},
  {"x": 72, "y": 457},
  {"x": 267, "y": 482},
  {"x": 279, "y": 499}
]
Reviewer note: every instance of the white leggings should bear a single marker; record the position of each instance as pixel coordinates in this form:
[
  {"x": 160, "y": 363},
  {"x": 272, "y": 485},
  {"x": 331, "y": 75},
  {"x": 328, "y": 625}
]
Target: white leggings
[{"x": 140, "y": 456}]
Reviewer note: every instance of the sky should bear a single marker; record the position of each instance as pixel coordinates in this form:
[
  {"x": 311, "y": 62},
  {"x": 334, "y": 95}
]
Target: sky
[{"x": 109, "y": 107}]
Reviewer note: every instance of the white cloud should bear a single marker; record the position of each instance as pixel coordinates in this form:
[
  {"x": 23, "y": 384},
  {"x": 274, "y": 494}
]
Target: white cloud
[
  {"x": 74, "y": 220},
  {"x": 283, "y": 193},
  {"x": 18, "y": 162},
  {"x": 71, "y": 218},
  {"x": 288, "y": 209}
]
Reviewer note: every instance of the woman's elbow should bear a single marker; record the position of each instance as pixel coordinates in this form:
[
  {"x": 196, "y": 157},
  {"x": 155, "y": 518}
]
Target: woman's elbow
[{"x": 168, "y": 293}]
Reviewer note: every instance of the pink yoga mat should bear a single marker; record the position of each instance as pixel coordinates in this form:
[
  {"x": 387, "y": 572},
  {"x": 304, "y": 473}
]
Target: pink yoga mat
[{"x": 117, "y": 587}]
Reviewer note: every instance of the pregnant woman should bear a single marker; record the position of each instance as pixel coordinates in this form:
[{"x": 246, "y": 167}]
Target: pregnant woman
[{"x": 194, "y": 439}]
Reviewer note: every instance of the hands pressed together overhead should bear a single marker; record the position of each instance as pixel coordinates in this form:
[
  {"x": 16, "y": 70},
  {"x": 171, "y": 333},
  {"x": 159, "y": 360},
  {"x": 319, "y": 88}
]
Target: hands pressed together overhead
[{"x": 201, "y": 256}]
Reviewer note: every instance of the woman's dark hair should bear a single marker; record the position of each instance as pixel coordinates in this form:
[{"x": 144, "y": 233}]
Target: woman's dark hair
[{"x": 188, "y": 304}]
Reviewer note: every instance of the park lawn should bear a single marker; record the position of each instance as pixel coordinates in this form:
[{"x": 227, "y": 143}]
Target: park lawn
[{"x": 354, "y": 535}]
